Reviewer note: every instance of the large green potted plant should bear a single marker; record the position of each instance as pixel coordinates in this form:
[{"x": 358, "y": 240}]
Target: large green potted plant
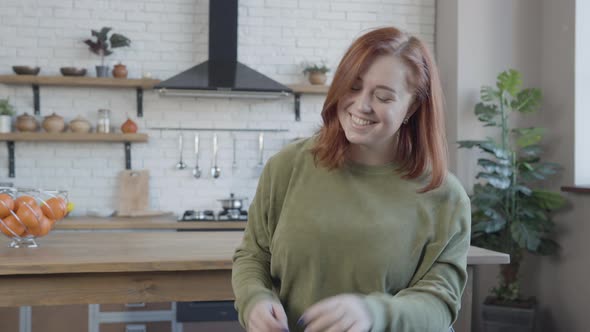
[
  {"x": 511, "y": 212},
  {"x": 103, "y": 46}
]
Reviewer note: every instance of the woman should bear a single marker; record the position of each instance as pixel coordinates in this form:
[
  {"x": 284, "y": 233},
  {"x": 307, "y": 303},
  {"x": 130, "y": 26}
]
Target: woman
[{"x": 360, "y": 228}]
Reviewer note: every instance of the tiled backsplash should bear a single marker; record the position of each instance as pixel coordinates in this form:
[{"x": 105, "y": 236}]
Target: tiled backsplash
[{"x": 275, "y": 37}]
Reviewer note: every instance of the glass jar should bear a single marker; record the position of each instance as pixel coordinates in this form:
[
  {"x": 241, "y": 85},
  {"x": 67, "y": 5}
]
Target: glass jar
[{"x": 104, "y": 121}]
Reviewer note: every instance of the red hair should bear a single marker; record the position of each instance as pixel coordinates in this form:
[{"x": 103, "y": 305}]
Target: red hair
[{"x": 422, "y": 146}]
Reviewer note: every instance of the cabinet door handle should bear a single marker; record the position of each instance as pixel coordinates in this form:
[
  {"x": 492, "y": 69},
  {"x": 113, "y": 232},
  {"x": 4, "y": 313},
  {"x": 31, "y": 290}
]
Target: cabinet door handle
[
  {"x": 135, "y": 305},
  {"x": 135, "y": 328}
]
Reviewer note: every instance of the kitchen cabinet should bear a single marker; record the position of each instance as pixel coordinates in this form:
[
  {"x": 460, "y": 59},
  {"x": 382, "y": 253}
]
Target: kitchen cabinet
[
  {"x": 126, "y": 139},
  {"x": 136, "y": 327},
  {"x": 94, "y": 82},
  {"x": 212, "y": 327},
  {"x": 59, "y": 318},
  {"x": 9, "y": 319}
]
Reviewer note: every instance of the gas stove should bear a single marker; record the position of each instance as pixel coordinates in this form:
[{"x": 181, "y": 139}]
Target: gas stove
[{"x": 209, "y": 215}]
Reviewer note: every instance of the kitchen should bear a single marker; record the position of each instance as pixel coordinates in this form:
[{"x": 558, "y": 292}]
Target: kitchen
[{"x": 274, "y": 38}]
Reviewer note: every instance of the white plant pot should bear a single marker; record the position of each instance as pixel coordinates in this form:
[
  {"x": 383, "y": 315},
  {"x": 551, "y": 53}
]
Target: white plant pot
[{"x": 5, "y": 123}]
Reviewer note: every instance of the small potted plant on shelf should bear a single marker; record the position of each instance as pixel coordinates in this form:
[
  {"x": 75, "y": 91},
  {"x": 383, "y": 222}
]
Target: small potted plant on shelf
[
  {"x": 511, "y": 212},
  {"x": 317, "y": 73},
  {"x": 103, "y": 46},
  {"x": 6, "y": 113}
]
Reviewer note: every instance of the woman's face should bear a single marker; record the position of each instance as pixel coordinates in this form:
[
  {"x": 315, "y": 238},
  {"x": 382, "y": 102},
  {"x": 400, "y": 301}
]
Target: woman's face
[{"x": 376, "y": 106}]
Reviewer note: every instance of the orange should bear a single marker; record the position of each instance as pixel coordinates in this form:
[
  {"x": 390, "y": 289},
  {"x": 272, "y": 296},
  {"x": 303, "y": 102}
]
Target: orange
[
  {"x": 30, "y": 215},
  {"x": 54, "y": 208},
  {"x": 24, "y": 198},
  {"x": 44, "y": 226},
  {"x": 13, "y": 225},
  {"x": 6, "y": 204}
]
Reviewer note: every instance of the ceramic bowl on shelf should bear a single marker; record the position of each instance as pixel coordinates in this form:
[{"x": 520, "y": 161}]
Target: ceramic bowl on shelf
[
  {"x": 72, "y": 71},
  {"x": 27, "y": 214},
  {"x": 26, "y": 70}
]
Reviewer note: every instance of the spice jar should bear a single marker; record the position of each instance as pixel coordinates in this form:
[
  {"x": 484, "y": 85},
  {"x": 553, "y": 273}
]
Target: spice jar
[{"x": 104, "y": 121}]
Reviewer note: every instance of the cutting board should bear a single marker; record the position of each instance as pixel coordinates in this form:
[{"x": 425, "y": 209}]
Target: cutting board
[{"x": 133, "y": 192}]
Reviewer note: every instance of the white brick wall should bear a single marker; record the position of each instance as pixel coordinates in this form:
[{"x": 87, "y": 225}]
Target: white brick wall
[{"x": 275, "y": 37}]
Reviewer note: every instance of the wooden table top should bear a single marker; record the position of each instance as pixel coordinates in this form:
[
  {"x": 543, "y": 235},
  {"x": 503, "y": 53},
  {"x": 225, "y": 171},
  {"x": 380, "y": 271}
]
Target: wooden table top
[
  {"x": 162, "y": 222},
  {"x": 66, "y": 252},
  {"x": 81, "y": 252}
]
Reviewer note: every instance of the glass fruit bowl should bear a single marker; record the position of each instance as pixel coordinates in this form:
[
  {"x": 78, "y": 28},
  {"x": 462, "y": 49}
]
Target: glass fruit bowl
[{"x": 26, "y": 214}]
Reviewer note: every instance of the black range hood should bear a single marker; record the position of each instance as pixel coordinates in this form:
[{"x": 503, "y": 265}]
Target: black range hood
[{"x": 222, "y": 75}]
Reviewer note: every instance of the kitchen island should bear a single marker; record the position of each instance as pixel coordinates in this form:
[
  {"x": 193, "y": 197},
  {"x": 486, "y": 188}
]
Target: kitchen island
[
  {"x": 126, "y": 267},
  {"x": 166, "y": 222}
]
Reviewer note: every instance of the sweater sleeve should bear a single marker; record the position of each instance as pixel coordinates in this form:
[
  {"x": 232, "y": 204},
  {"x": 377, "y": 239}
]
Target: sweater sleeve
[
  {"x": 251, "y": 279},
  {"x": 433, "y": 299}
]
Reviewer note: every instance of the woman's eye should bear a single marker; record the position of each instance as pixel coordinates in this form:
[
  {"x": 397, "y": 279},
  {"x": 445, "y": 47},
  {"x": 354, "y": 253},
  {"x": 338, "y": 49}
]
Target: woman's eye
[
  {"x": 355, "y": 88},
  {"x": 385, "y": 99}
]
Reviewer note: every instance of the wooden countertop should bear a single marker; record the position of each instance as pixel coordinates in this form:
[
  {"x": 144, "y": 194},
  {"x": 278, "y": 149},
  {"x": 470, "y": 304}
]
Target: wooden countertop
[
  {"x": 83, "y": 252},
  {"x": 161, "y": 222}
]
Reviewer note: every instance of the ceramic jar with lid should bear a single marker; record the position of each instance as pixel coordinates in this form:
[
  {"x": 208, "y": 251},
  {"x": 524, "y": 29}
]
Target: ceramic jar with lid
[
  {"x": 80, "y": 125},
  {"x": 26, "y": 122},
  {"x": 120, "y": 71},
  {"x": 54, "y": 123}
]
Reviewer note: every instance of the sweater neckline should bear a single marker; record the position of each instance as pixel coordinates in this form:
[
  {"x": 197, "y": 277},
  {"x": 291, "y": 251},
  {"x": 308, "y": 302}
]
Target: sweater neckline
[{"x": 389, "y": 168}]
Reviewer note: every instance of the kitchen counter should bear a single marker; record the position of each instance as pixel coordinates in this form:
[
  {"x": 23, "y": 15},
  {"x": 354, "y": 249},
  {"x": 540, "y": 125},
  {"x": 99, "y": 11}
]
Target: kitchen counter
[
  {"x": 153, "y": 223},
  {"x": 147, "y": 260},
  {"x": 125, "y": 267}
]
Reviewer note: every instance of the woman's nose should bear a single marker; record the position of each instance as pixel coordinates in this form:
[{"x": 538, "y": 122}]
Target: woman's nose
[{"x": 362, "y": 102}]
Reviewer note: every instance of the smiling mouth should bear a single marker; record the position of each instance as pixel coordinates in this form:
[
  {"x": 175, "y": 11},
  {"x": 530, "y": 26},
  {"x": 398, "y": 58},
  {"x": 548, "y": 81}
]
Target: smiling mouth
[{"x": 360, "y": 122}]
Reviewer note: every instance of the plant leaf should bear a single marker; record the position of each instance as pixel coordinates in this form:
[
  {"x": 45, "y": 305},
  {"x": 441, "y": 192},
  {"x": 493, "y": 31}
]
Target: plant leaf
[
  {"x": 102, "y": 35},
  {"x": 509, "y": 81},
  {"x": 525, "y": 236},
  {"x": 531, "y": 151},
  {"x": 523, "y": 190},
  {"x": 495, "y": 180},
  {"x": 489, "y": 94},
  {"x": 528, "y": 136},
  {"x": 548, "y": 168},
  {"x": 548, "y": 200},
  {"x": 527, "y": 100},
  {"x": 486, "y": 113},
  {"x": 118, "y": 40},
  {"x": 547, "y": 247}
]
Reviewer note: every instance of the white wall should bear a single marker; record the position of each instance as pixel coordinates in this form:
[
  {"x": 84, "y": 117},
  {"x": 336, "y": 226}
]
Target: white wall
[
  {"x": 167, "y": 37},
  {"x": 476, "y": 40}
]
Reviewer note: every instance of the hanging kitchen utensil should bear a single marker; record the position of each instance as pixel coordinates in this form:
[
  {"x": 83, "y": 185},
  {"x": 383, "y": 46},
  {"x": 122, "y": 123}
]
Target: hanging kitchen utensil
[
  {"x": 234, "y": 164},
  {"x": 215, "y": 170},
  {"x": 180, "y": 164},
  {"x": 197, "y": 170},
  {"x": 258, "y": 168}
]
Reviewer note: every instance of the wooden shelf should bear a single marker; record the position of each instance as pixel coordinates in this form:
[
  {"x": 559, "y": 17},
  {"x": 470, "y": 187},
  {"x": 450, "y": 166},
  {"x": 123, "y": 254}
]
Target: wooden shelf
[
  {"x": 72, "y": 137},
  {"x": 309, "y": 89},
  {"x": 101, "y": 82},
  {"x": 105, "y": 82},
  {"x": 127, "y": 139},
  {"x": 576, "y": 189},
  {"x": 299, "y": 89}
]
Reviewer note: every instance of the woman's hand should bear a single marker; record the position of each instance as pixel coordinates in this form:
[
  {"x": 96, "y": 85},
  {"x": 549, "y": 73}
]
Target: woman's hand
[
  {"x": 346, "y": 312},
  {"x": 267, "y": 316}
]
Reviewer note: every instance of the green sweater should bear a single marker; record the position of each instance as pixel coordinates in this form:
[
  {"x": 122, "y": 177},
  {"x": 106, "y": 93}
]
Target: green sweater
[{"x": 314, "y": 233}]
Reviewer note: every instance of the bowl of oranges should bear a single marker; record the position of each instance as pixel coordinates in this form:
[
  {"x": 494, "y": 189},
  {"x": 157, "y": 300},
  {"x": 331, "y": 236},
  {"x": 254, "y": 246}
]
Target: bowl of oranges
[{"x": 27, "y": 214}]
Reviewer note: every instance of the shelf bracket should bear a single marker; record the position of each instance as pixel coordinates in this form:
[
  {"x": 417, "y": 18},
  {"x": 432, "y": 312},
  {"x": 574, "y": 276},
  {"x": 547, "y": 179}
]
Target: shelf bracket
[
  {"x": 297, "y": 107},
  {"x": 127, "y": 155},
  {"x": 139, "y": 102},
  {"x": 10, "y": 145},
  {"x": 36, "y": 101}
]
